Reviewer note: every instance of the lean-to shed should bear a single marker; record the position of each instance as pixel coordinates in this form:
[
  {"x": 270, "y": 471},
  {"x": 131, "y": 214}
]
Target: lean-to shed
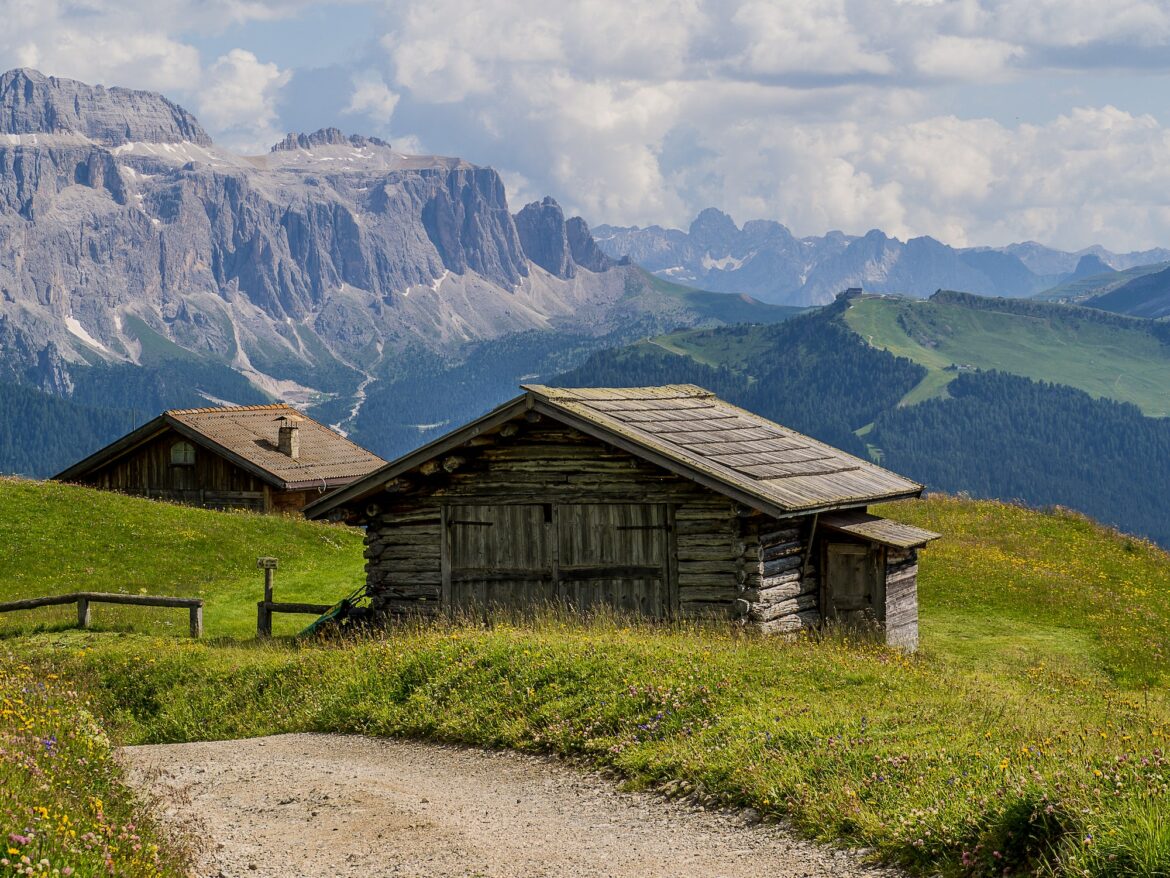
[
  {"x": 662, "y": 501},
  {"x": 268, "y": 458}
]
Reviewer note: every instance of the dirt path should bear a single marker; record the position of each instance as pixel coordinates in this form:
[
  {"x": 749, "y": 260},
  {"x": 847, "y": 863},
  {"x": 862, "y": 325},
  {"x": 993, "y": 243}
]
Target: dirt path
[{"x": 325, "y": 805}]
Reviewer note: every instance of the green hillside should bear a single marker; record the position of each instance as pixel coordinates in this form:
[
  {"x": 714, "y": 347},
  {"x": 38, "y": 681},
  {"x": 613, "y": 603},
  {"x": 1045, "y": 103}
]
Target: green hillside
[
  {"x": 61, "y": 538},
  {"x": 1124, "y": 360},
  {"x": 988, "y": 433},
  {"x": 1026, "y": 737}
]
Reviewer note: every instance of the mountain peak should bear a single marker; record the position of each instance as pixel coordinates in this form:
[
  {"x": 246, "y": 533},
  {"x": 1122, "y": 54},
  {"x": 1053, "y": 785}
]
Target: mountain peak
[
  {"x": 325, "y": 137},
  {"x": 713, "y": 223},
  {"x": 32, "y": 103},
  {"x": 1090, "y": 265}
]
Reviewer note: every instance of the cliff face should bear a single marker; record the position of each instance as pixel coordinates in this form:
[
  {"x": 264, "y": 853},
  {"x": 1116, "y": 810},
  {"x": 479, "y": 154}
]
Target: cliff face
[
  {"x": 31, "y": 103},
  {"x": 123, "y": 230}
]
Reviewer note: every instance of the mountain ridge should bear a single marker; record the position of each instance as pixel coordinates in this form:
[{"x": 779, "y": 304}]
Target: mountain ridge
[
  {"x": 128, "y": 237},
  {"x": 763, "y": 258}
]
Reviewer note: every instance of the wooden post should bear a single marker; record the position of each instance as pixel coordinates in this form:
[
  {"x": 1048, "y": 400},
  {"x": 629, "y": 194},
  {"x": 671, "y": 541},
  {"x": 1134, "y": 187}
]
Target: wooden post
[
  {"x": 264, "y": 608},
  {"x": 83, "y": 616},
  {"x": 197, "y": 621}
]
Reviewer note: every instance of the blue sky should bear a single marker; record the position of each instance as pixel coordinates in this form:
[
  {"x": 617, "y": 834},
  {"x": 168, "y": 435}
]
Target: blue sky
[{"x": 975, "y": 121}]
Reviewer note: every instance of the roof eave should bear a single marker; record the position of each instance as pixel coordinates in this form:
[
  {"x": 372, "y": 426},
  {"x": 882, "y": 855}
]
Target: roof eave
[
  {"x": 116, "y": 449},
  {"x": 374, "y": 482}
]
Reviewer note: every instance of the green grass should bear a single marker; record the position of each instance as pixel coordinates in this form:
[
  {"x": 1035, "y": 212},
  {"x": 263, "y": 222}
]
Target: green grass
[
  {"x": 1029, "y": 733},
  {"x": 61, "y": 538},
  {"x": 1107, "y": 359}
]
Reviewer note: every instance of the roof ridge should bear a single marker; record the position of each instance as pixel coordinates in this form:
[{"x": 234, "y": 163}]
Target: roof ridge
[
  {"x": 271, "y": 406},
  {"x": 597, "y": 394}
]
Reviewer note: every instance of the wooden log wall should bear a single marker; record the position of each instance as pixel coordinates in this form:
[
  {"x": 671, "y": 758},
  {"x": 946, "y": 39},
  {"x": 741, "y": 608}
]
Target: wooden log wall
[
  {"x": 780, "y": 593},
  {"x": 404, "y": 558},
  {"x": 902, "y": 598},
  {"x": 545, "y": 462}
]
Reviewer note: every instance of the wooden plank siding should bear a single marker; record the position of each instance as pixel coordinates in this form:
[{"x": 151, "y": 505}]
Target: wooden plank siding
[
  {"x": 533, "y": 511},
  {"x": 901, "y": 610},
  {"x": 683, "y": 541},
  {"x": 210, "y": 481}
]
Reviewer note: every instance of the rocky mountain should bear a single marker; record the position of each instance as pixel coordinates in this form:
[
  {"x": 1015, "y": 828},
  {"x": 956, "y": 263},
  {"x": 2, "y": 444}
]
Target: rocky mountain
[
  {"x": 130, "y": 243},
  {"x": 764, "y": 259},
  {"x": 31, "y": 103}
]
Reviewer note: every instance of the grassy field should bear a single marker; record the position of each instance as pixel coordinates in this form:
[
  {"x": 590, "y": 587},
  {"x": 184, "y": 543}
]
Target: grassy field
[
  {"x": 1029, "y": 735},
  {"x": 61, "y": 538},
  {"x": 1104, "y": 359}
]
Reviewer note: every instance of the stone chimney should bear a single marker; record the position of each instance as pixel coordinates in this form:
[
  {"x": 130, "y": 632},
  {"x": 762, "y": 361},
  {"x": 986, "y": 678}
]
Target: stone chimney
[{"x": 289, "y": 437}]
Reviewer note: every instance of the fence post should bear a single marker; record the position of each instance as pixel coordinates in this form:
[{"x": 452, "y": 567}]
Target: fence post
[
  {"x": 264, "y": 608},
  {"x": 83, "y": 617},
  {"x": 196, "y": 621}
]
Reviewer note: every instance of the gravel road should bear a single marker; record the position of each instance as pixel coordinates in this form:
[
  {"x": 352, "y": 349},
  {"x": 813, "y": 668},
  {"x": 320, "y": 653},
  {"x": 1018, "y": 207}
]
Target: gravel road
[{"x": 328, "y": 805}]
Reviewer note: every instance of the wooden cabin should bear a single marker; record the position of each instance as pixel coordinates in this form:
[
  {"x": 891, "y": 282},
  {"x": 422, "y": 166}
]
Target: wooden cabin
[
  {"x": 661, "y": 501},
  {"x": 267, "y": 458}
]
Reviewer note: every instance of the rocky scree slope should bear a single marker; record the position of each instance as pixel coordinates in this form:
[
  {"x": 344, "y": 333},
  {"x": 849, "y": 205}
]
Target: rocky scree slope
[{"x": 126, "y": 236}]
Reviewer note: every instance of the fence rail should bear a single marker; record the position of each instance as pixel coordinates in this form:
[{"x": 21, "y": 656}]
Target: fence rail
[
  {"x": 83, "y": 599},
  {"x": 265, "y": 609}
]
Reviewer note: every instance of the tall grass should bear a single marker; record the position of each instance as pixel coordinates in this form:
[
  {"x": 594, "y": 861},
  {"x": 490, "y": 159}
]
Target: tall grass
[
  {"x": 934, "y": 765},
  {"x": 63, "y": 807}
]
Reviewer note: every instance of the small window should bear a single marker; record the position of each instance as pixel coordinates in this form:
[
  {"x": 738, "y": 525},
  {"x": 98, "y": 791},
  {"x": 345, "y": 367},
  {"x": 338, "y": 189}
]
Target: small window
[{"x": 182, "y": 454}]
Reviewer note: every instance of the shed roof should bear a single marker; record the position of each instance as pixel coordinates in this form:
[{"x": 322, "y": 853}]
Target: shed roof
[
  {"x": 689, "y": 431},
  {"x": 877, "y": 530},
  {"x": 247, "y": 436}
]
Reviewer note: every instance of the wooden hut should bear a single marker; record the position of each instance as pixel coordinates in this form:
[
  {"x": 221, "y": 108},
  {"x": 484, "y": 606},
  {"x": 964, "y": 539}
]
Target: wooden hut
[
  {"x": 268, "y": 458},
  {"x": 663, "y": 501}
]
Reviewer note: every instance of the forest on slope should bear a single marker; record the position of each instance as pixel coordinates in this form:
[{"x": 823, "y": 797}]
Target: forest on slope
[{"x": 990, "y": 434}]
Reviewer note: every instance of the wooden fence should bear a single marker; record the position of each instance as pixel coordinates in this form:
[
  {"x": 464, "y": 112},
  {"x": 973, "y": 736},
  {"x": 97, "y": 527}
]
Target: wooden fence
[
  {"x": 83, "y": 599},
  {"x": 265, "y": 609}
]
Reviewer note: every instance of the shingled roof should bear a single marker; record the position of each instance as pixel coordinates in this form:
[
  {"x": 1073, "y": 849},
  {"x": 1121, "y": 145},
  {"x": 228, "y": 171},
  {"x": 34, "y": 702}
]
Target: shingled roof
[
  {"x": 247, "y": 436},
  {"x": 689, "y": 431}
]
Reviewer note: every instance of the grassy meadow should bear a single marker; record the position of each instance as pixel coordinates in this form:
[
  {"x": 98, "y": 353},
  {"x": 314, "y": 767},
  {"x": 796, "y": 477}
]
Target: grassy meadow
[
  {"x": 1028, "y": 736},
  {"x": 59, "y": 538},
  {"x": 1106, "y": 360}
]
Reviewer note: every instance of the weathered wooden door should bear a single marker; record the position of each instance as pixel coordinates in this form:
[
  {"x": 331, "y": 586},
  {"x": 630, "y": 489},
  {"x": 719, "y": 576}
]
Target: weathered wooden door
[
  {"x": 585, "y": 554},
  {"x": 616, "y": 555},
  {"x": 500, "y": 556},
  {"x": 854, "y": 582}
]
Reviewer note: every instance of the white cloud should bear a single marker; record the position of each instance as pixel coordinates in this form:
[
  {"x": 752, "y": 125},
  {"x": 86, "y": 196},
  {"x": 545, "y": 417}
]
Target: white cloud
[
  {"x": 812, "y": 37},
  {"x": 372, "y": 97},
  {"x": 966, "y": 58},
  {"x": 239, "y": 96},
  {"x": 820, "y": 113}
]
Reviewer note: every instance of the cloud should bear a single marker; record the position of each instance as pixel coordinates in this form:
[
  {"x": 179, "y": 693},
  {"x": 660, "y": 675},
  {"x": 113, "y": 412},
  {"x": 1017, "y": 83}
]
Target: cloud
[
  {"x": 807, "y": 37},
  {"x": 820, "y": 113},
  {"x": 372, "y": 98},
  {"x": 238, "y": 98},
  {"x": 966, "y": 58}
]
